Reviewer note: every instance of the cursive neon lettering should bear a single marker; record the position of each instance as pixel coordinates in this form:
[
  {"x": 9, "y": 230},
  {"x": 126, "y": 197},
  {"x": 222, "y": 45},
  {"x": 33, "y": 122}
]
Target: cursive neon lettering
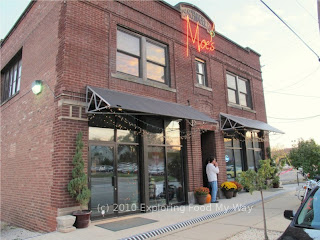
[{"x": 201, "y": 44}]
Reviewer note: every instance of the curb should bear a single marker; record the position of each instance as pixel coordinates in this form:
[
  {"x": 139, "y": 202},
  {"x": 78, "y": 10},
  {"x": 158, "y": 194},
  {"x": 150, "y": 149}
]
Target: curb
[{"x": 173, "y": 227}]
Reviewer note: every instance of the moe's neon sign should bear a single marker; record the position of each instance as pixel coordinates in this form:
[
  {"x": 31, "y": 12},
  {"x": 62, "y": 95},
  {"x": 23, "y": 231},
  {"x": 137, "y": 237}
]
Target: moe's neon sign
[{"x": 193, "y": 37}]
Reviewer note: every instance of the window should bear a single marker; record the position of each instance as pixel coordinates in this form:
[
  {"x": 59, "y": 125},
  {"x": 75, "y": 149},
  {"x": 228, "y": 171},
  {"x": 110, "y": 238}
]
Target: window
[
  {"x": 254, "y": 152},
  {"x": 10, "y": 78},
  {"x": 238, "y": 90},
  {"x": 233, "y": 156},
  {"x": 201, "y": 72},
  {"x": 141, "y": 57}
]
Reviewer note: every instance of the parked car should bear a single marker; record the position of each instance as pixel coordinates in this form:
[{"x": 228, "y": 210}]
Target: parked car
[{"x": 305, "y": 223}]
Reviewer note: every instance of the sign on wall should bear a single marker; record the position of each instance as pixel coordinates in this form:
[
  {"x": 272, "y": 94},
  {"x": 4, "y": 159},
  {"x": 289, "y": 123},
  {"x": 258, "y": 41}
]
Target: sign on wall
[{"x": 193, "y": 35}]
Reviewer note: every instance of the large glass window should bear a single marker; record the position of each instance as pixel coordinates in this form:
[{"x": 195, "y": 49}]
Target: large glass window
[
  {"x": 10, "y": 78},
  {"x": 165, "y": 165},
  {"x": 201, "y": 72},
  {"x": 233, "y": 157},
  {"x": 254, "y": 152},
  {"x": 141, "y": 57},
  {"x": 238, "y": 90}
]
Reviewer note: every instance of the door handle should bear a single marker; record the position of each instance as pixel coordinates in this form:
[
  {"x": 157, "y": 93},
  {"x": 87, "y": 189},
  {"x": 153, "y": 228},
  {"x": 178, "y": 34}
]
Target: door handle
[{"x": 113, "y": 181}]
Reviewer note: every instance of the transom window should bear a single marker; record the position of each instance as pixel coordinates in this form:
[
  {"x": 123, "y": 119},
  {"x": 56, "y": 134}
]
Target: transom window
[
  {"x": 141, "y": 57},
  {"x": 238, "y": 90},
  {"x": 10, "y": 78},
  {"x": 201, "y": 72}
]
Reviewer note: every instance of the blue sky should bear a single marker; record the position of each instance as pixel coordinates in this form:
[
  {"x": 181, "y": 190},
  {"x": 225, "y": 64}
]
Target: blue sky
[{"x": 291, "y": 72}]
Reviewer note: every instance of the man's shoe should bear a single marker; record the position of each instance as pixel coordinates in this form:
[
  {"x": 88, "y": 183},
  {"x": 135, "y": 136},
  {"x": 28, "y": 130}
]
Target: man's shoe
[{"x": 215, "y": 202}]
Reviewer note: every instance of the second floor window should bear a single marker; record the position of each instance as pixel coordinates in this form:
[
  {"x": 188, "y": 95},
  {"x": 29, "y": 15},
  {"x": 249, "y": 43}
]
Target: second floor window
[
  {"x": 10, "y": 78},
  {"x": 201, "y": 72},
  {"x": 141, "y": 57},
  {"x": 238, "y": 90}
]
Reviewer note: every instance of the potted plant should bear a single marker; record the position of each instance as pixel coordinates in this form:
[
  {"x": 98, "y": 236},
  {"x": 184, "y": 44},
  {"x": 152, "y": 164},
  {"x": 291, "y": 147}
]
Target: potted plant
[
  {"x": 239, "y": 188},
  {"x": 201, "y": 194},
  {"x": 228, "y": 188},
  {"x": 78, "y": 186},
  {"x": 276, "y": 181}
]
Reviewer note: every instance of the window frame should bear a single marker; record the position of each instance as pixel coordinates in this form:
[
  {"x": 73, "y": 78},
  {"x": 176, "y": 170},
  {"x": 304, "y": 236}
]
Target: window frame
[
  {"x": 204, "y": 75},
  {"x": 143, "y": 61},
  {"x": 238, "y": 92},
  {"x": 11, "y": 76}
]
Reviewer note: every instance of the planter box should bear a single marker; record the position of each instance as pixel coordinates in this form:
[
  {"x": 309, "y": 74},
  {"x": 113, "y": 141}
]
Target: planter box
[{"x": 65, "y": 223}]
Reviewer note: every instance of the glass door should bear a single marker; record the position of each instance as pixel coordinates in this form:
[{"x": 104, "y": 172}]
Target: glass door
[
  {"x": 102, "y": 180},
  {"x": 114, "y": 181}
]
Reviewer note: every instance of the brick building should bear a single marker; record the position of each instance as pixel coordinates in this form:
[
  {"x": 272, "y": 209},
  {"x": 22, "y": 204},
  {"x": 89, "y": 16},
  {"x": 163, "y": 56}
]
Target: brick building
[{"x": 155, "y": 91}]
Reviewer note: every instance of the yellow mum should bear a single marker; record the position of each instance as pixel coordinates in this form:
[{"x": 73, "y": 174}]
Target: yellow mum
[{"x": 228, "y": 186}]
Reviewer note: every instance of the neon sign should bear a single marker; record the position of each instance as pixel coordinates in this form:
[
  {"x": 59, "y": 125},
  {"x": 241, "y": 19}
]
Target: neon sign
[{"x": 201, "y": 44}]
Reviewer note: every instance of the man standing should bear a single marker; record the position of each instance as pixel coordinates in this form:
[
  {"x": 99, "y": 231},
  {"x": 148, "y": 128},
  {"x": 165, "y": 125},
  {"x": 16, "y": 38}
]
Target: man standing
[{"x": 212, "y": 170}]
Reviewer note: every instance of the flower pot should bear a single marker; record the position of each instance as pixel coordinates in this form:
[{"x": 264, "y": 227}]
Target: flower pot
[
  {"x": 235, "y": 193},
  {"x": 201, "y": 199},
  {"x": 82, "y": 218},
  {"x": 228, "y": 193},
  {"x": 276, "y": 185}
]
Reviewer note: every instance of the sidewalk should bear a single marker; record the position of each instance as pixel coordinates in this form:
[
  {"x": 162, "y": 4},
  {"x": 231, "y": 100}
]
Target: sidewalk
[
  {"x": 243, "y": 225},
  {"x": 185, "y": 218}
]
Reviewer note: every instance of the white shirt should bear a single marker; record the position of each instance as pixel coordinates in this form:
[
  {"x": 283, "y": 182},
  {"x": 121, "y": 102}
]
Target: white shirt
[{"x": 212, "y": 172}]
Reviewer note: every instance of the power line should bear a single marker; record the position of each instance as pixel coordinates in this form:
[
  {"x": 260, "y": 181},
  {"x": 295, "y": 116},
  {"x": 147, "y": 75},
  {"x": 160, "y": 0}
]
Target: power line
[
  {"x": 291, "y": 29},
  {"x": 295, "y": 83},
  {"x": 291, "y": 94},
  {"x": 307, "y": 11},
  {"x": 295, "y": 118}
]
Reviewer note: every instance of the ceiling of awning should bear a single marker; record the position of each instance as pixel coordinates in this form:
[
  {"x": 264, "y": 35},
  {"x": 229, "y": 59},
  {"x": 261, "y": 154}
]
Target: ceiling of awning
[
  {"x": 101, "y": 99},
  {"x": 231, "y": 122}
]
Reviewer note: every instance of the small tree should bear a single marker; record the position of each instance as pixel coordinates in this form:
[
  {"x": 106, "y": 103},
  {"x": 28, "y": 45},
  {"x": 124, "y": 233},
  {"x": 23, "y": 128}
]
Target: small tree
[
  {"x": 307, "y": 156},
  {"x": 258, "y": 181},
  {"x": 78, "y": 186}
]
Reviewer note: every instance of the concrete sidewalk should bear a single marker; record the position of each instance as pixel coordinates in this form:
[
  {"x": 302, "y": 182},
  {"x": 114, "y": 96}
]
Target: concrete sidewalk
[{"x": 240, "y": 212}]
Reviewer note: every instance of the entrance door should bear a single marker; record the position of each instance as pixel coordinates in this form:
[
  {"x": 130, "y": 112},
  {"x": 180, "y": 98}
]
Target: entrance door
[
  {"x": 114, "y": 179},
  {"x": 102, "y": 180}
]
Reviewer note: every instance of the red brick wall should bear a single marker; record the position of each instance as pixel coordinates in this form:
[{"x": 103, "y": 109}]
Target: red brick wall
[
  {"x": 27, "y": 143},
  {"x": 71, "y": 45}
]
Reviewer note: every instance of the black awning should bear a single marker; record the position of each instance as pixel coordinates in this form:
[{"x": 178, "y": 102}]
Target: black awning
[
  {"x": 101, "y": 99},
  {"x": 230, "y": 122}
]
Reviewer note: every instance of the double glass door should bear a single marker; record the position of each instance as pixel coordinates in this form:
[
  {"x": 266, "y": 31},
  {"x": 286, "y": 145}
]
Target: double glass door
[{"x": 114, "y": 179}]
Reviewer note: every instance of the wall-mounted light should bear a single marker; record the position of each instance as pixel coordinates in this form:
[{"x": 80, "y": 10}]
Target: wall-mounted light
[{"x": 37, "y": 86}]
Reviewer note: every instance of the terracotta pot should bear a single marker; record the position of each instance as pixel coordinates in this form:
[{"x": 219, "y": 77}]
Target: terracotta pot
[
  {"x": 201, "y": 199},
  {"x": 82, "y": 218},
  {"x": 228, "y": 193}
]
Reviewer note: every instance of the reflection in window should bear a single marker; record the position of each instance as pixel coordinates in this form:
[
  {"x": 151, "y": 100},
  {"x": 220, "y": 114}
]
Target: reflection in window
[
  {"x": 238, "y": 90},
  {"x": 135, "y": 52},
  {"x": 173, "y": 133},
  {"x": 128, "y": 177},
  {"x": 233, "y": 157},
  {"x": 101, "y": 134},
  {"x": 155, "y": 131},
  {"x": 127, "y": 64},
  {"x": 175, "y": 175},
  {"x": 155, "y": 72},
  {"x": 309, "y": 216},
  {"x": 156, "y": 53},
  {"x": 156, "y": 169}
]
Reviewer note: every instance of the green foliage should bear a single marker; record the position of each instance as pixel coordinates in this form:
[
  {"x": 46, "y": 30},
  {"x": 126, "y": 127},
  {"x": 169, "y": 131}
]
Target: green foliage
[
  {"x": 78, "y": 187},
  {"x": 307, "y": 156},
  {"x": 257, "y": 181}
]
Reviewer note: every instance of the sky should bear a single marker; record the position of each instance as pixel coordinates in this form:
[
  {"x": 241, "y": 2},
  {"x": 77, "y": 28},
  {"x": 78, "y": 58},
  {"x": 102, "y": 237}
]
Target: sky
[{"x": 290, "y": 70}]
